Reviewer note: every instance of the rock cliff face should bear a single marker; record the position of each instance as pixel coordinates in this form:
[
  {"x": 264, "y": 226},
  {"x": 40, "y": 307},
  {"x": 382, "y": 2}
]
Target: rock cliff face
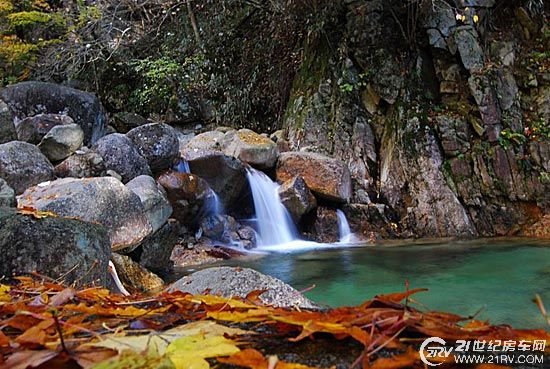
[{"x": 440, "y": 110}]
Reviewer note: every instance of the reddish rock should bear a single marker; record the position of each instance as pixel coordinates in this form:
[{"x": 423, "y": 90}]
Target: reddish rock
[{"x": 326, "y": 177}]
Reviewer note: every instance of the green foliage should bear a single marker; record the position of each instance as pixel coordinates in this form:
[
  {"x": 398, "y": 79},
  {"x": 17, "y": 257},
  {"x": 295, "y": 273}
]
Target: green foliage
[
  {"x": 544, "y": 177},
  {"x": 509, "y": 137},
  {"x": 25, "y": 19}
]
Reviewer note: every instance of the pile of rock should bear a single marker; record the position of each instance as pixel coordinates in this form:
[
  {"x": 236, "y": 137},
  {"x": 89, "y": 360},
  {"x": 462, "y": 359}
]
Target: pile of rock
[{"x": 122, "y": 192}]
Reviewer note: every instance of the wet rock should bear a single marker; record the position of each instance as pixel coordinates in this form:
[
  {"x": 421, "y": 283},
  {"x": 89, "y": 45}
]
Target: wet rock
[
  {"x": 225, "y": 175},
  {"x": 372, "y": 222},
  {"x": 31, "y": 98},
  {"x": 82, "y": 164},
  {"x": 227, "y": 282},
  {"x": 125, "y": 121},
  {"x": 248, "y": 237},
  {"x": 155, "y": 250},
  {"x": 120, "y": 154},
  {"x": 219, "y": 228},
  {"x": 325, "y": 227},
  {"x": 153, "y": 198},
  {"x": 7, "y": 128},
  {"x": 157, "y": 143},
  {"x": 297, "y": 198},
  {"x": 326, "y": 177},
  {"x": 74, "y": 250},
  {"x": 440, "y": 25},
  {"x": 202, "y": 145},
  {"x": 7, "y": 195},
  {"x": 22, "y": 165},
  {"x": 540, "y": 229},
  {"x": 33, "y": 129},
  {"x": 187, "y": 193},
  {"x": 61, "y": 141},
  {"x": 503, "y": 51},
  {"x": 134, "y": 277},
  {"x": 251, "y": 148},
  {"x": 102, "y": 200}
]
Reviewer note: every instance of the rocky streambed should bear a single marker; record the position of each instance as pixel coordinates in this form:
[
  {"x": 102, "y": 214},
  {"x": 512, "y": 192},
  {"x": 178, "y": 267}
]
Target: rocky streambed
[{"x": 76, "y": 193}]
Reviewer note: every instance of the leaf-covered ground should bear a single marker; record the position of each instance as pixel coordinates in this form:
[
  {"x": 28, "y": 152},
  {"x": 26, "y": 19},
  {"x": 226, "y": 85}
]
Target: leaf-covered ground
[{"x": 47, "y": 325}]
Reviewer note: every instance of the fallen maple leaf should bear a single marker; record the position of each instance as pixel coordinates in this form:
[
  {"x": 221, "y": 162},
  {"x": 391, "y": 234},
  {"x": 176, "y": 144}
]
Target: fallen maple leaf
[{"x": 190, "y": 352}]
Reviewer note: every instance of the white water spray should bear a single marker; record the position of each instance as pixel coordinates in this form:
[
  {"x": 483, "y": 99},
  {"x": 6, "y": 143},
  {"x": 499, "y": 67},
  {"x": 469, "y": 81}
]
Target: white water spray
[
  {"x": 343, "y": 228},
  {"x": 275, "y": 226}
]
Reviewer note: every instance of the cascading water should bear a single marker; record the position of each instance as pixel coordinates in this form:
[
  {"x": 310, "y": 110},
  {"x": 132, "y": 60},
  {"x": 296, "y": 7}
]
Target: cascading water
[
  {"x": 275, "y": 226},
  {"x": 343, "y": 228},
  {"x": 182, "y": 166}
]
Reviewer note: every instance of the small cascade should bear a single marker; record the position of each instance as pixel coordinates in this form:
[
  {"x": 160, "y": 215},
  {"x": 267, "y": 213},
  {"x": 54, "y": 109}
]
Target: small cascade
[
  {"x": 275, "y": 226},
  {"x": 182, "y": 166},
  {"x": 214, "y": 205},
  {"x": 343, "y": 228}
]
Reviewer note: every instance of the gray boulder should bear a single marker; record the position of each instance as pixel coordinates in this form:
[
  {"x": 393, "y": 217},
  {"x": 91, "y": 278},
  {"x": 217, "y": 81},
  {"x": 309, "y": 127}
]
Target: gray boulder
[
  {"x": 7, "y": 128},
  {"x": 82, "y": 164},
  {"x": 22, "y": 165},
  {"x": 30, "y": 98},
  {"x": 157, "y": 143},
  {"x": 326, "y": 177},
  {"x": 33, "y": 129},
  {"x": 103, "y": 200},
  {"x": 155, "y": 250},
  {"x": 153, "y": 198},
  {"x": 225, "y": 175},
  {"x": 7, "y": 195},
  {"x": 76, "y": 251},
  {"x": 120, "y": 154},
  {"x": 297, "y": 198},
  {"x": 204, "y": 144},
  {"x": 61, "y": 141},
  {"x": 229, "y": 282},
  {"x": 251, "y": 148}
]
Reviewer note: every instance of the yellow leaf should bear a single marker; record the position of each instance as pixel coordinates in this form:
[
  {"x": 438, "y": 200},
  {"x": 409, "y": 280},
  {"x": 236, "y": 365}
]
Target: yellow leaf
[
  {"x": 157, "y": 343},
  {"x": 4, "y": 293},
  {"x": 133, "y": 360},
  {"x": 189, "y": 352},
  {"x": 476, "y": 18}
]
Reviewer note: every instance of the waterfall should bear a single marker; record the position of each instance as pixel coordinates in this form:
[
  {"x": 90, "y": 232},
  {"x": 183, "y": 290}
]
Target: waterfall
[
  {"x": 182, "y": 166},
  {"x": 343, "y": 228},
  {"x": 275, "y": 226}
]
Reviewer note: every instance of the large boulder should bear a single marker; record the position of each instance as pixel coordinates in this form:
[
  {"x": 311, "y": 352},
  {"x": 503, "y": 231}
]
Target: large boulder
[
  {"x": 153, "y": 198},
  {"x": 325, "y": 227},
  {"x": 188, "y": 194},
  {"x": 22, "y": 165},
  {"x": 61, "y": 141},
  {"x": 76, "y": 251},
  {"x": 158, "y": 143},
  {"x": 82, "y": 164},
  {"x": 7, "y": 128},
  {"x": 297, "y": 198},
  {"x": 326, "y": 177},
  {"x": 155, "y": 251},
  {"x": 202, "y": 145},
  {"x": 30, "y": 98},
  {"x": 230, "y": 282},
  {"x": 120, "y": 154},
  {"x": 7, "y": 195},
  {"x": 103, "y": 200},
  {"x": 225, "y": 175},
  {"x": 33, "y": 129},
  {"x": 251, "y": 148}
]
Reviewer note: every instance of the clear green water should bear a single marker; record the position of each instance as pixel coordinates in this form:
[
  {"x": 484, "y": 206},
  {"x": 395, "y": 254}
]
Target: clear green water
[{"x": 500, "y": 277}]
